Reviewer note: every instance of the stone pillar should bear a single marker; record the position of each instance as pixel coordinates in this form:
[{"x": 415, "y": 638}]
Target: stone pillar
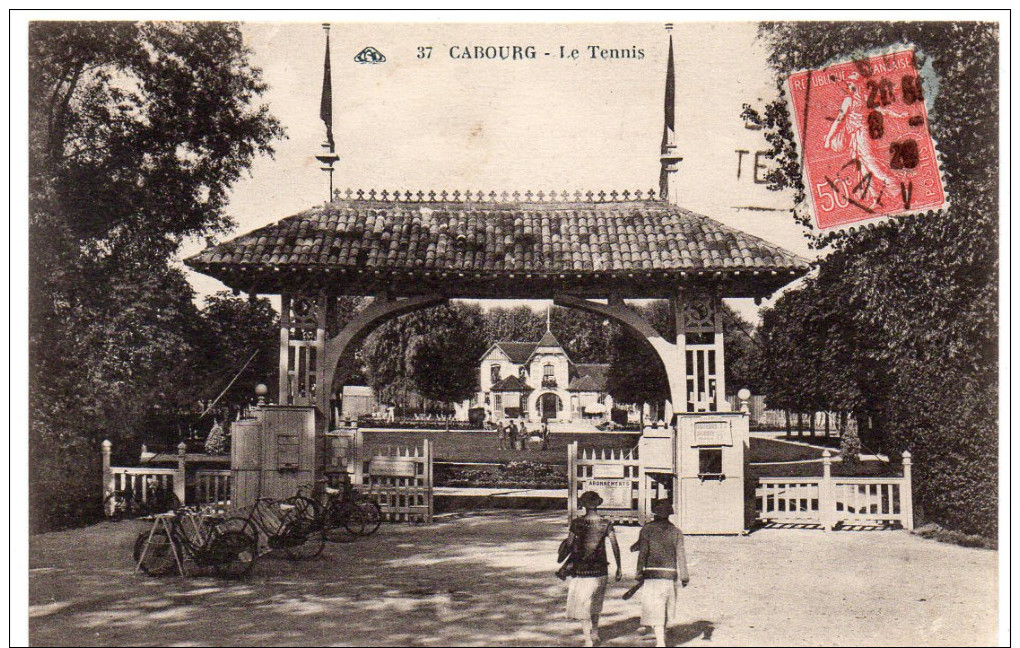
[
  {"x": 108, "y": 486},
  {"x": 907, "y": 493},
  {"x": 181, "y": 476}
]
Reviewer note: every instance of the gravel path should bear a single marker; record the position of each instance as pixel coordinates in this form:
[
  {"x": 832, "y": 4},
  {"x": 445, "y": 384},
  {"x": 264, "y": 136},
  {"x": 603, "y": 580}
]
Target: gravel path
[{"x": 487, "y": 579}]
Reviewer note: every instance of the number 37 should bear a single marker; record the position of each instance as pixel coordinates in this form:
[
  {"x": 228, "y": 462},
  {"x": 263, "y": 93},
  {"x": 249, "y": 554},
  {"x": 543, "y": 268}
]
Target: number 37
[{"x": 425, "y": 52}]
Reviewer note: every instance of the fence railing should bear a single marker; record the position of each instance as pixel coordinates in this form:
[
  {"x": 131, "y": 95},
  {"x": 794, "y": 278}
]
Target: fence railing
[
  {"x": 212, "y": 487},
  {"x": 829, "y": 501},
  {"x": 139, "y": 483},
  {"x": 399, "y": 479}
]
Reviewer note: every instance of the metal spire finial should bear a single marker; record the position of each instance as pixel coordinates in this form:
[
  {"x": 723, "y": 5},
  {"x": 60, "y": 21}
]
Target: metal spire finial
[{"x": 328, "y": 157}]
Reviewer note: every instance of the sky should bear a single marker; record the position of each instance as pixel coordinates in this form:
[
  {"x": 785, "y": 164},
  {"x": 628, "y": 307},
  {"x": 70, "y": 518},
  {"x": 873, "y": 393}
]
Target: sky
[{"x": 431, "y": 119}]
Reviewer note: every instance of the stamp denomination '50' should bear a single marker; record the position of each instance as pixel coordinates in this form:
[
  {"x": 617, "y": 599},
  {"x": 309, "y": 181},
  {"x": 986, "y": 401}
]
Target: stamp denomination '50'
[{"x": 867, "y": 150}]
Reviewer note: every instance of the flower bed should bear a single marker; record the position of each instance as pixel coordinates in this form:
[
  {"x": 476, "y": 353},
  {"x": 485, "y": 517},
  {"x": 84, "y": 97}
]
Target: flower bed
[
  {"x": 516, "y": 474},
  {"x": 416, "y": 424}
]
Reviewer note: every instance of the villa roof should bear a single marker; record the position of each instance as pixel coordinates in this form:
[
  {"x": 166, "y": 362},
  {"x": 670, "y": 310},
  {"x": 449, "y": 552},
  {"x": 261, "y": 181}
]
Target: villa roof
[
  {"x": 479, "y": 246},
  {"x": 589, "y": 377},
  {"x": 583, "y": 384},
  {"x": 549, "y": 340},
  {"x": 510, "y": 384},
  {"x": 518, "y": 352}
]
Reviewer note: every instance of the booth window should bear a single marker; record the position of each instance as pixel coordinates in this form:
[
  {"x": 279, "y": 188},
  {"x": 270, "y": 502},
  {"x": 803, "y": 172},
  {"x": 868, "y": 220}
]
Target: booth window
[{"x": 710, "y": 463}]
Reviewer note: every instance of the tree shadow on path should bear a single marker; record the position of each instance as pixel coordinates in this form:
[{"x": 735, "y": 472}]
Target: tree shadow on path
[{"x": 482, "y": 580}]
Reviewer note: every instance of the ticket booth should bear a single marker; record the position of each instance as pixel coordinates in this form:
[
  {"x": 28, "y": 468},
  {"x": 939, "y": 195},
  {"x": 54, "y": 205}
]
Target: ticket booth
[
  {"x": 711, "y": 454},
  {"x": 274, "y": 453}
]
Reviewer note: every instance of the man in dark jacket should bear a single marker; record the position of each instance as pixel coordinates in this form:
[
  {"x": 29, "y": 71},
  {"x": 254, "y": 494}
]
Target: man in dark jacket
[{"x": 662, "y": 566}]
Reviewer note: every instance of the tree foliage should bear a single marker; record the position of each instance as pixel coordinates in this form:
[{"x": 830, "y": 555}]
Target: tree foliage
[
  {"x": 136, "y": 132},
  {"x": 901, "y": 323}
]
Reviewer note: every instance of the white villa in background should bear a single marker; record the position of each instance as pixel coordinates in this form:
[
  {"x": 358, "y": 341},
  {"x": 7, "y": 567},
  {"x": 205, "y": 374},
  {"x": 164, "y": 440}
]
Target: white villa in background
[{"x": 537, "y": 381}]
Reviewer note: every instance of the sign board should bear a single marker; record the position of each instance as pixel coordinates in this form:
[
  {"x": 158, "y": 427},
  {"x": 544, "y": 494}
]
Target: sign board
[
  {"x": 713, "y": 433},
  {"x": 607, "y": 471},
  {"x": 615, "y": 493},
  {"x": 392, "y": 467}
]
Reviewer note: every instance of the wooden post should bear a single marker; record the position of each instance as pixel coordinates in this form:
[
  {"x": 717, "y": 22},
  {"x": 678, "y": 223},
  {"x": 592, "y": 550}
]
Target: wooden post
[
  {"x": 571, "y": 480},
  {"x": 906, "y": 493},
  {"x": 179, "y": 478},
  {"x": 108, "y": 486},
  {"x": 428, "y": 478},
  {"x": 827, "y": 494}
]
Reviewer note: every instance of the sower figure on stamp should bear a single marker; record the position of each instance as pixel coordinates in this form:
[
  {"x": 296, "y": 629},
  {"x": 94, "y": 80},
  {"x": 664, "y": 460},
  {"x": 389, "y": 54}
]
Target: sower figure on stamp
[
  {"x": 661, "y": 569},
  {"x": 588, "y": 565},
  {"x": 854, "y": 130}
]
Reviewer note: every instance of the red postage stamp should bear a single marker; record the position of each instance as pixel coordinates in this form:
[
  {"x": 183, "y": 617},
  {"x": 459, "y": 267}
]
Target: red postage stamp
[{"x": 867, "y": 149}]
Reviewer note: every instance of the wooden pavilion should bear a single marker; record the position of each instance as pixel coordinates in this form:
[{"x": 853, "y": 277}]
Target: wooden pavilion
[{"x": 591, "y": 251}]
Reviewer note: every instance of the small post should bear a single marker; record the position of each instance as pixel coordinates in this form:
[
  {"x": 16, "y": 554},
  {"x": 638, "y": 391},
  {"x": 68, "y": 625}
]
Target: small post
[
  {"x": 906, "y": 493},
  {"x": 108, "y": 486},
  {"x": 571, "y": 480},
  {"x": 826, "y": 494},
  {"x": 428, "y": 474},
  {"x": 179, "y": 478}
]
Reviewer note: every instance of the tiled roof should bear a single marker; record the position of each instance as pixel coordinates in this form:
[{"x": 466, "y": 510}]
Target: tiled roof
[
  {"x": 583, "y": 384},
  {"x": 527, "y": 245},
  {"x": 518, "y": 352},
  {"x": 549, "y": 340},
  {"x": 510, "y": 384},
  {"x": 594, "y": 375}
]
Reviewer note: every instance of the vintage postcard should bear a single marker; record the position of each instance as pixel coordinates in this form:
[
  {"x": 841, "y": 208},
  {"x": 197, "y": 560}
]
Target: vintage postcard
[{"x": 511, "y": 330}]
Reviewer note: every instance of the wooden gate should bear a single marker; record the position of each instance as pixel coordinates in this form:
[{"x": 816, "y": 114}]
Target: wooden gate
[
  {"x": 829, "y": 502},
  {"x": 627, "y": 488},
  {"x": 399, "y": 479}
]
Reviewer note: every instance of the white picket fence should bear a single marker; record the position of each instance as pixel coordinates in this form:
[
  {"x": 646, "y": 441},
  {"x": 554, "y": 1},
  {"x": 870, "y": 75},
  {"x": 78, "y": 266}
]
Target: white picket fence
[
  {"x": 210, "y": 486},
  {"x": 829, "y": 501}
]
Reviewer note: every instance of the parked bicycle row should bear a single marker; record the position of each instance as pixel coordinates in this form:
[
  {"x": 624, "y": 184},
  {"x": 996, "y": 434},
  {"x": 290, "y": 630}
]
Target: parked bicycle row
[{"x": 231, "y": 542}]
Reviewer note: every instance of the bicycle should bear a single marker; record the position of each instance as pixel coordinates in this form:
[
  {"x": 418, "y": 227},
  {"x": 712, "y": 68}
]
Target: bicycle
[
  {"x": 342, "y": 507},
  {"x": 191, "y": 533},
  {"x": 289, "y": 525}
]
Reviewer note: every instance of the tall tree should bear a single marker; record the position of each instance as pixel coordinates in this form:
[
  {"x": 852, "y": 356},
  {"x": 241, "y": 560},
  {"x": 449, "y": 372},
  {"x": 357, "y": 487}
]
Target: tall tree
[
  {"x": 136, "y": 132},
  {"x": 918, "y": 294}
]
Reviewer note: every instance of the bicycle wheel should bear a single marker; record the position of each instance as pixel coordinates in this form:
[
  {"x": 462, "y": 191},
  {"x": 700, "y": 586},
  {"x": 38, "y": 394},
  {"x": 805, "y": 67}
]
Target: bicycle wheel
[
  {"x": 160, "y": 557},
  {"x": 354, "y": 520},
  {"x": 302, "y": 539},
  {"x": 233, "y": 553},
  {"x": 372, "y": 513},
  {"x": 305, "y": 509}
]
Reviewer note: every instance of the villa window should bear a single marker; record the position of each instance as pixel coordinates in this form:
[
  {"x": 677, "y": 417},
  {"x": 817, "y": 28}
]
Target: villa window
[
  {"x": 494, "y": 373},
  {"x": 549, "y": 375}
]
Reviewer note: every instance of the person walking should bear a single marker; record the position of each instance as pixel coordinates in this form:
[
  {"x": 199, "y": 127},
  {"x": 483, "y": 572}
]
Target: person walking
[
  {"x": 500, "y": 435},
  {"x": 661, "y": 568},
  {"x": 512, "y": 435},
  {"x": 589, "y": 566}
]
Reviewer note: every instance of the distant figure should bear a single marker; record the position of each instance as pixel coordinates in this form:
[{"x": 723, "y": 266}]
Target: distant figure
[
  {"x": 500, "y": 436},
  {"x": 512, "y": 434},
  {"x": 588, "y": 566},
  {"x": 545, "y": 436},
  {"x": 662, "y": 568}
]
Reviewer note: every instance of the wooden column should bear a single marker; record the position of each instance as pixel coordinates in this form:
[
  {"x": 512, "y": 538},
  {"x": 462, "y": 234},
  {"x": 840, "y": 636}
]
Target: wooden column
[
  {"x": 699, "y": 322},
  {"x": 284, "y": 387},
  {"x": 721, "y": 404},
  {"x": 303, "y": 322}
]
